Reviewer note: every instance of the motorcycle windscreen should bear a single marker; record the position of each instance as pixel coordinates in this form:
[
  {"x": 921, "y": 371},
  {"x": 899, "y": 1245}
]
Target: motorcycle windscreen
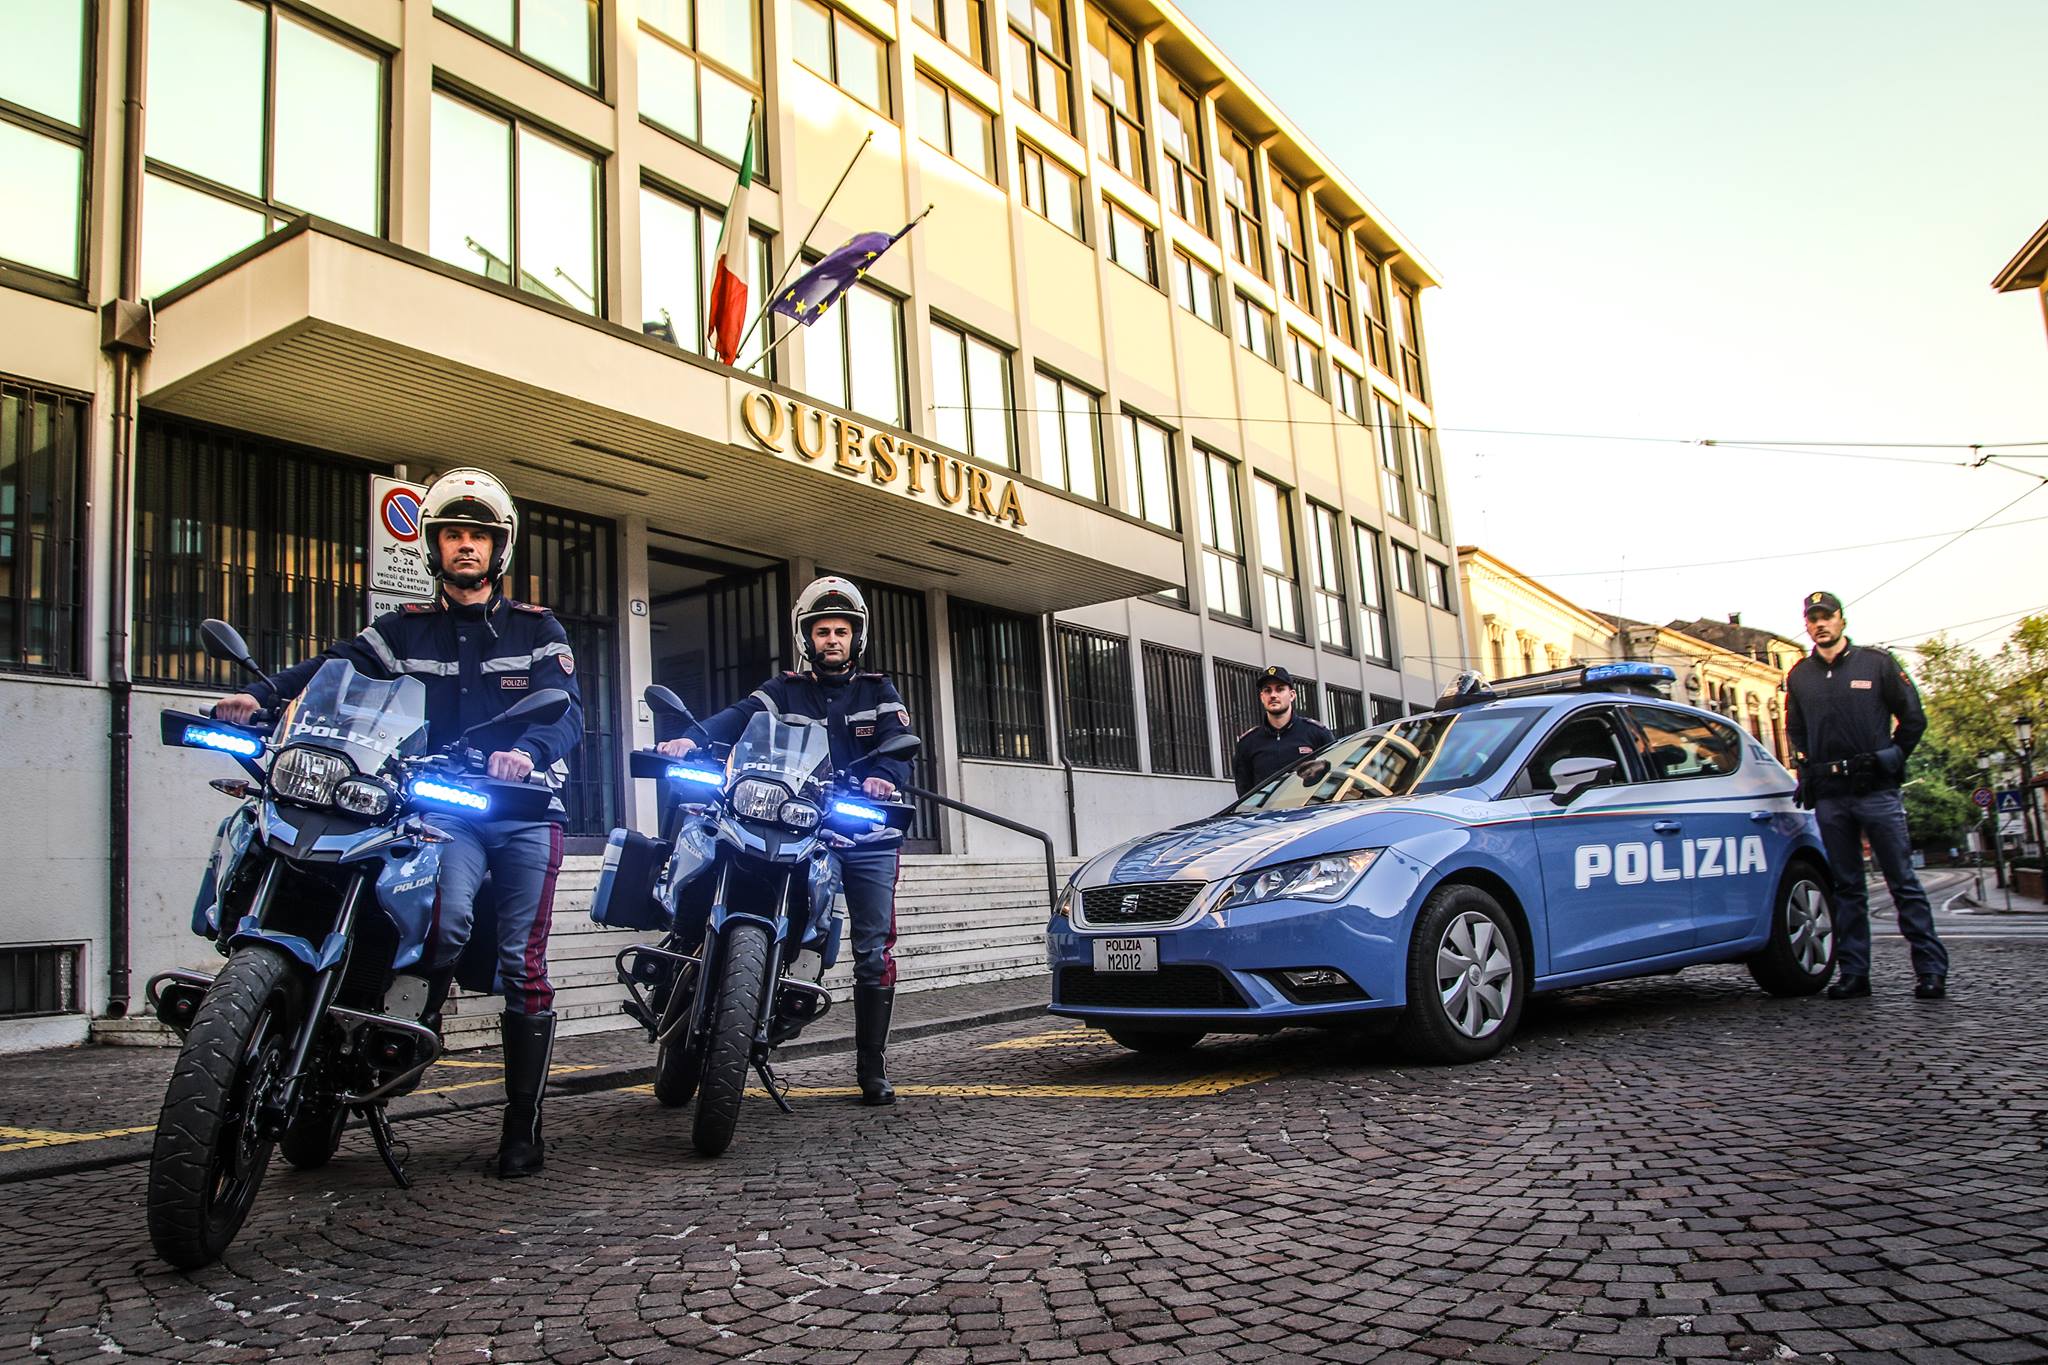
[
  {"x": 368, "y": 719},
  {"x": 775, "y": 749}
]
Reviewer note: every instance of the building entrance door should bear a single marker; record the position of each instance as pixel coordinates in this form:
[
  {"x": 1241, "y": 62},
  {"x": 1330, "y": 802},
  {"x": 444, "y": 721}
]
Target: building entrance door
[
  {"x": 720, "y": 624},
  {"x": 900, "y": 645}
]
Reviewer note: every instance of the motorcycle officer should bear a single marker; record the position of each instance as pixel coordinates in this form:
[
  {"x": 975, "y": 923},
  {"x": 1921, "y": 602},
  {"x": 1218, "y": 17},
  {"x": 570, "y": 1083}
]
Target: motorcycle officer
[
  {"x": 829, "y": 626},
  {"x": 478, "y": 652}
]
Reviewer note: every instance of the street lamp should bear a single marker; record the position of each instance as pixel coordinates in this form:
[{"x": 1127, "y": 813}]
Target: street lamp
[
  {"x": 1984, "y": 765},
  {"x": 2023, "y": 727}
]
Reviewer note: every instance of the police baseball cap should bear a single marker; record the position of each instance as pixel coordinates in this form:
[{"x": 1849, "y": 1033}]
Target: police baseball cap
[
  {"x": 1821, "y": 604},
  {"x": 1274, "y": 673}
]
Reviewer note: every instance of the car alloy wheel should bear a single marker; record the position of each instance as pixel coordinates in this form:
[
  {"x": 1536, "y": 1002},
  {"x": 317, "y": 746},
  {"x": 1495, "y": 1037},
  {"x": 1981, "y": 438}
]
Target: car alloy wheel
[
  {"x": 1809, "y": 926},
  {"x": 1475, "y": 975}
]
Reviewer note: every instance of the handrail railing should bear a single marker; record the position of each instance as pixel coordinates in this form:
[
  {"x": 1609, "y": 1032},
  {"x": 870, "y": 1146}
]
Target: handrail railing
[{"x": 1052, "y": 875}]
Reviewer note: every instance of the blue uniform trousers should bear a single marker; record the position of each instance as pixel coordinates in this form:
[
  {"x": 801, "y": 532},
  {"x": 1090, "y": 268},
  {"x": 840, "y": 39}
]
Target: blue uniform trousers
[
  {"x": 522, "y": 859},
  {"x": 1880, "y": 817},
  {"x": 870, "y": 878}
]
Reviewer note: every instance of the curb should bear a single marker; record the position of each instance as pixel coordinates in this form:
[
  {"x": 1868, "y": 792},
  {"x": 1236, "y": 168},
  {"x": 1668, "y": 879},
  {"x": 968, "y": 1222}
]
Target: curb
[{"x": 124, "y": 1151}]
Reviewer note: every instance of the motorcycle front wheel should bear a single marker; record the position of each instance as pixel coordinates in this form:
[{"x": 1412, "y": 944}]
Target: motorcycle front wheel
[
  {"x": 729, "y": 1041},
  {"x": 210, "y": 1156}
]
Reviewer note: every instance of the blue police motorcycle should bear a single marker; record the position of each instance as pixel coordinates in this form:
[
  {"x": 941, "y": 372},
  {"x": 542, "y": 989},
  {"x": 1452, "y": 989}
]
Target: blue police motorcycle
[
  {"x": 743, "y": 881},
  {"x": 320, "y": 894}
]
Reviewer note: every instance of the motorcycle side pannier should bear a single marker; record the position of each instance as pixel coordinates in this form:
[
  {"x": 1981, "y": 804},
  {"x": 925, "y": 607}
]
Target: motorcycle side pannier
[{"x": 625, "y": 889}]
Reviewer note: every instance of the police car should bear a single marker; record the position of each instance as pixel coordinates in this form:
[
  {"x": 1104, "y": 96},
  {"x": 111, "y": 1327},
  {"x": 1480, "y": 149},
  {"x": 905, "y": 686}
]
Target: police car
[{"x": 1530, "y": 834}]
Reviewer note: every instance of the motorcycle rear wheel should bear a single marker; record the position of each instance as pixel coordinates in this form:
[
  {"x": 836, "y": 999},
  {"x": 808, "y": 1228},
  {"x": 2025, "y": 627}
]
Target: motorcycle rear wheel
[
  {"x": 209, "y": 1159},
  {"x": 729, "y": 1043}
]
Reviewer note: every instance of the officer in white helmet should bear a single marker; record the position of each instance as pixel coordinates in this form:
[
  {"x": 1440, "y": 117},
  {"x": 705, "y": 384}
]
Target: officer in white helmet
[
  {"x": 829, "y": 630},
  {"x": 477, "y": 652}
]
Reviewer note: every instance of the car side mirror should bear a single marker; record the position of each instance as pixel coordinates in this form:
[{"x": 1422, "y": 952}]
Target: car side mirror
[
  {"x": 222, "y": 641},
  {"x": 1571, "y": 776}
]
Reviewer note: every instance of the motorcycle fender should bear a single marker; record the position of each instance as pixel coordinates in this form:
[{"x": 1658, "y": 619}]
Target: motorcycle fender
[
  {"x": 231, "y": 843},
  {"x": 331, "y": 951},
  {"x": 406, "y": 892}
]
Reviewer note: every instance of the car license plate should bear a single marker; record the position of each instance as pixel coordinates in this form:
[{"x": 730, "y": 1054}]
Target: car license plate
[{"x": 1126, "y": 954}]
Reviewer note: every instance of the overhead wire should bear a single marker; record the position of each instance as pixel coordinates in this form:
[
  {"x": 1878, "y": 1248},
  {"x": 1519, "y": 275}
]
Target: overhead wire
[{"x": 2039, "y": 484}]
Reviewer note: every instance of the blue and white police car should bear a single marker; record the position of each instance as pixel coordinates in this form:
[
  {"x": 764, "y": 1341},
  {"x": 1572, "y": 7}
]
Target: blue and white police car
[{"x": 1526, "y": 835}]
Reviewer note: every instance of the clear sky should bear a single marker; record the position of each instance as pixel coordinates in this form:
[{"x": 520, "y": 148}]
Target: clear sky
[{"x": 1756, "y": 220}]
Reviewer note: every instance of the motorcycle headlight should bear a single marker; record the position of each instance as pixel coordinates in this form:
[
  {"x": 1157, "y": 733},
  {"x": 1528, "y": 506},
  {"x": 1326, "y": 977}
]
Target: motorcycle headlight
[
  {"x": 308, "y": 776},
  {"x": 757, "y": 799},
  {"x": 363, "y": 796},
  {"x": 1312, "y": 879},
  {"x": 799, "y": 815}
]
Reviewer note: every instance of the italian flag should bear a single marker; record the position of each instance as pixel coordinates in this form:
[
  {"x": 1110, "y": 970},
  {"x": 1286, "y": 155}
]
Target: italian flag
[{"x": 727, "y": 311}]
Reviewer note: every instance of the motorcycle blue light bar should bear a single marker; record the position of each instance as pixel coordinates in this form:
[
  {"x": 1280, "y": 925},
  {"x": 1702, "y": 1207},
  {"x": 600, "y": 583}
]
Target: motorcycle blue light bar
[
  {"x": 227, "y": 741},
  {"x": 443, "y": 793},
  {"x": 858, "y": 811},
  {"x": 678, "y": 773}
]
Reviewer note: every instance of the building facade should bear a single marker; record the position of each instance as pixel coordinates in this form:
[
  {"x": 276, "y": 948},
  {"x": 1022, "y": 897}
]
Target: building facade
[
  {"x": 1142, "y": 405},
  {"x": 2027, "y": 272},
  {"x": 1517, "y": 625}
]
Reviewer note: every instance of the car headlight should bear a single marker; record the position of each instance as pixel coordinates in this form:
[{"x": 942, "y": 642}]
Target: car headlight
[
  {"x": 1328, "y": 878},
  {"x": 758, "y": 800},
  {"x": 363, "y": 796},
  {"x": 1063, "y": 908},
  {"x": 307, "y": 775},
  {"x": 799, "y": 814}
]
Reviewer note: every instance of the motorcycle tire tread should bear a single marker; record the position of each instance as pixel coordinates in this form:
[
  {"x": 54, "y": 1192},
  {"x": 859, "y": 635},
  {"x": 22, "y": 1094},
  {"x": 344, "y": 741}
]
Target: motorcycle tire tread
[{"x": 729, "y": 1048}]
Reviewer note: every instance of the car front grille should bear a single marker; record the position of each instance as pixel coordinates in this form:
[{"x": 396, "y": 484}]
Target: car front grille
[
  {"x": 1175, "y": 986},
  {"x": 1105, "y": 907}
]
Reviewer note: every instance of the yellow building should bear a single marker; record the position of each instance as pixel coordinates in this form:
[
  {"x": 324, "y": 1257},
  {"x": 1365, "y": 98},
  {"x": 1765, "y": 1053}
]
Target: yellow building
[
  {"x": 1516, "y": 625},
  {"x": 1141, "y": 406}
]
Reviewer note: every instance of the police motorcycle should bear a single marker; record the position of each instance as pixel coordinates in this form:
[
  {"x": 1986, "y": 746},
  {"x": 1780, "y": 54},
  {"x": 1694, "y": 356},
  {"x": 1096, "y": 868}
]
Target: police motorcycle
[
  {"x": 320, "y": 893},
  {"x": 743, "y": 882}
]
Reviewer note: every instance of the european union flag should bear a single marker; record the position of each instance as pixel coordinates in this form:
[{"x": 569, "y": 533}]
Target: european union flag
[{"x": 817, "y": 289}]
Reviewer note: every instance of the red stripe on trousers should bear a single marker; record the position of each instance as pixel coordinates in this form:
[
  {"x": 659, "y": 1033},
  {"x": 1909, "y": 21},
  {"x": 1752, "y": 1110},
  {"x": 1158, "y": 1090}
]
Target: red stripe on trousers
[
  {"x": 541, "y": 1000},
  {"x": 889, "y": 944}
]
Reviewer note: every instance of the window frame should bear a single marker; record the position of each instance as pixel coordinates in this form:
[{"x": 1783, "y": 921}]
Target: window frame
[
  {"x": 1185, "y": 269},
  {"x": 1279, "y": 558},
  {"x": 1327, "y": 581},
  {"x": 922, "y": 79},
  {"x": 968, "y": 339},
  {"x": 840, "y": 315},
  {"x": 1062, "y": 384},
  {"x": 1334, "y": 273},
  {"x": 1289, "y": 239},
  {"x": 1204, "y": 467},
  {"x": 1429, "y": 502},
  {"x": 1348, "y": 394},
  {"x": 67, "y": 532},
  {"x": 763, "y": 246},
  {"x": 941, "y": 23},
  {"x": 1176, "y": 712},
  {"x": 1025, "y": 77},
  {"x": 1407, "y": 569},
  {"x": 1368, "y": 554},
  {"x": 596, "y": 85},
  {"x": 837, "y": 21},
  {"x": 1347, "y": 704},
  {"x": 1114, "y": 124},
  {"x": 755, "y": 84},
  {"x": 1436, "y": 584},
  {"x": 1635, "y": 712},
  {"x": 1305, "y": 362},
  {"x": 1114, "y": 211},
  {"x": 1250, "y": 310},
  {"x": 1372, "y": 299},
  {"x": 1534, "y": 780},
  {"x": 80, "y": 138},
  {"x": 1408, "y": 322},
  {"x": 1106, "y": 701},
  {"x": 1027, "y": 181},
  {"x": 1177, "y": 170},
  {"x": 1240, "y": 194},
  {"x": 1387, "y": 446},
  {"x": 1011, "y": 713}
]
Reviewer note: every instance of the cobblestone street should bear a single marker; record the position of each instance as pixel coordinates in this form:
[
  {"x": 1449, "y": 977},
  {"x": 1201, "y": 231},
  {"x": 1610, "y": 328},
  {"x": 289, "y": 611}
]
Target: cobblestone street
[{"x": 1678, "y": 1168}]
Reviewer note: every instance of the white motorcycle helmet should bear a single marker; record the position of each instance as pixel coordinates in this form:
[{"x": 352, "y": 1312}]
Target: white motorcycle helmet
[
  {"x": 470, "y": 497},
  {"x": 829, "y": 596}
]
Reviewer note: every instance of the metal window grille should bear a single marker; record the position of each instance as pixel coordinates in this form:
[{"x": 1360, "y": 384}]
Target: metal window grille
[
  {"x": 1385, "y": 710},
  {"x": 1307, "y": 699},
  {"x": 1237, "y": 704},
  {"x": 1099, "y": 722},
  {"x": 1347, "y": 710},
  {"x": 998, "y": 682},
  {"x": 42, "y": 528},
  {"x": 899, "y": 644},
  {"x": 40, "y": 980},
  {"x": 1176, "y": 716},
  {"x": 266, "y": 536}
]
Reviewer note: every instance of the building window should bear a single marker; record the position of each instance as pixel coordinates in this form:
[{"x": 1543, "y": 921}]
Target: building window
[
  {"x": 1373, "y": 301},
  {"x": 1350, "y": 393},
  {"x": 1194, "y": 288},
  {"x": 1407, "y": 577},
  {"x": 1255, "y": 329},
  {"x": 1099, "y": 723},
  {"x": 1040, "y": 69},
  {"x": 1220, "y": 522},
  {"x": 1243, "y": 232},
  {"x": 1116, "y": 109},
  {"x": 1422, "y": 449},
  {"x": 1291, "y": 237},
  {"x": 268, "y": 537},
  {"x": 1347, "y": 710},
  {"x": 962, "y": 24},
  {"x": 971, "y": 395},
  {"x": 560, "y": 35},
  {"x": 43, "y": 127},
  {"x": 956, "y": 125},
  {"x": 255, "y": 117},
  {"x": 1304, "y": 361},
  {"x": 1436, "y": 582},
  {"x": 1069, "y": 436},
  {"x": 39, "y": 980},
  {"x": 1308, "y": 698},
  {"x": 1408, "y": 317},
  {"x": 1325, "y": 543},
  {"x": 1050, "y": 190},
  {"x": 514, "y": 205},
  {"x": 1176, "y": 714},
  {"x": 1335, "y": 272},
  {"x": 1148, "y": 472},
  {"x": 1185, "y": 186},
  {"x": 998, "y": 683},
  {"x": 700, "y": 73},
  {"x": 1279, "y": 573},
  {"x": 42, "y": 529},
  {"x": 678, "y": 257},
  {"x": 1129, "y": 240},
  {"x": 842, "y": 50},
  {"x": 1387, "y": 710},
  {"x": 1237, "y": 704},
  {"x": 1374, "y": 639},
  {"x": 1387, "y": 439},
  {"x": 853, "y": 356}
]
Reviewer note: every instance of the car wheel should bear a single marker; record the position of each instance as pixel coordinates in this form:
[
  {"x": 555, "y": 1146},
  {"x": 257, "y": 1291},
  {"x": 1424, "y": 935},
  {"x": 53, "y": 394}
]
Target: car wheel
[
  {"x": 1465, "y": 978},
  {"x": 1156, "y": 1041},
  {"x": 1801, "y": 953}
]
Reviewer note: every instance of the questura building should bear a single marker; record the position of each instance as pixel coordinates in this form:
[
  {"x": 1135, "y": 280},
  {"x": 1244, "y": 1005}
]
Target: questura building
[{"x": 1141, "y": 406}]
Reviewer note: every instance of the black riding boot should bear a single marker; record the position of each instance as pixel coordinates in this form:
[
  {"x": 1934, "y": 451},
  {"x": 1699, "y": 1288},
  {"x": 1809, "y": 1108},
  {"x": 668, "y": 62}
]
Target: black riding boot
[
  {"x": 871, "y": 1006},
  {"x": 529, "y": 1041}
]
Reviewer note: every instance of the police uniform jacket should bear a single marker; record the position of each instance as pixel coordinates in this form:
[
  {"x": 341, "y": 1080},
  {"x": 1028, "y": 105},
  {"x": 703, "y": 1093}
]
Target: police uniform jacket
[
  {"x": 860, "y": 710},
  {"x": 1263, "y": 750},
  {"x": 1862, "y": 703},
  {"x": 475, "y": 662}
]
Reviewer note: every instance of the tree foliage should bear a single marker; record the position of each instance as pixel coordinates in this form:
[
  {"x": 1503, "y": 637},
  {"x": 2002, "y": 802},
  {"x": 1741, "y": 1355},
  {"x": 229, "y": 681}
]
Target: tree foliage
[{"x": 1972, "y": 700}]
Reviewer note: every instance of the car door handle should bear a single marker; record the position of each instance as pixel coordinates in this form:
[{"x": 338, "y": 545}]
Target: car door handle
[
  {"x": 1759, "y": 816},
  {"x": 1666, "y": 827}
]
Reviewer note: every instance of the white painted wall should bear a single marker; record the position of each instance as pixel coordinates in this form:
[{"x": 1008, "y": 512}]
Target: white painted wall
[{"x": 1109, "y": 807}]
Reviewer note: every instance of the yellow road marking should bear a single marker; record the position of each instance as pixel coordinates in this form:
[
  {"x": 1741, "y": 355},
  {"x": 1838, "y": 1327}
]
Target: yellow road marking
[
  {"x": 1065, "y": 1037},
  {"x": 24, "y": 1139},
  {"x": 472, "y": 1085},
  {"x": 1190, "y": 1089},
  {"x": 480, "y": 1066}
]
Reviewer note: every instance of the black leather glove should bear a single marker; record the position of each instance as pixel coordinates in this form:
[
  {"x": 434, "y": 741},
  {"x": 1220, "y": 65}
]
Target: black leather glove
[{"x": 1802, "y": 792}]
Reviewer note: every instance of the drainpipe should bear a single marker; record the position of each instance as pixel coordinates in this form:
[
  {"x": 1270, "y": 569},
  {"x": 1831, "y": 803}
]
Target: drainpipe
[
  {"x": 127, "y": 328},
  {"x": 1059, "y": 702}
]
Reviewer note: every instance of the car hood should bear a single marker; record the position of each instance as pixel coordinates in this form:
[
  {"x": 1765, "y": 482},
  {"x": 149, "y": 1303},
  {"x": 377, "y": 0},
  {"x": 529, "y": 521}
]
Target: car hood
[{"x": 1225, "y": 845}]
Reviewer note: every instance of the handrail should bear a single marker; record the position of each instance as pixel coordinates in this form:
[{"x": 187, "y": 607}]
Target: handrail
[{"x": 1052, "y": 875}]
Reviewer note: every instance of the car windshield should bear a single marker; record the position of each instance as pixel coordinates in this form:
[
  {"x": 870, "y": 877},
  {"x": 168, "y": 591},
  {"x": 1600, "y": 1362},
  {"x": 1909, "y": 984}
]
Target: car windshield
[
  {"x": 772, "y": 747},
  {"x": 1413, "y": 757},
  {"x": 369, "y": 719}
]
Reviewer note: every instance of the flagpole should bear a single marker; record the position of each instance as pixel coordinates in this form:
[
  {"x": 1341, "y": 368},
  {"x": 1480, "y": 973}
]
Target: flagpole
[
  {"x": 796, "y": 327},
  {"x": 796, "y": 257}
]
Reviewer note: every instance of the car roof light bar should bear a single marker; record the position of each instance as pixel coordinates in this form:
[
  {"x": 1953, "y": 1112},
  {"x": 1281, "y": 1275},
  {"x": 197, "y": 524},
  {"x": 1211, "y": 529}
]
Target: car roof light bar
[{"x": 1649, "y": 680}]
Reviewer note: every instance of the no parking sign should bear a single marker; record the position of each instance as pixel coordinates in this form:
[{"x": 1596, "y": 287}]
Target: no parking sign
[{"x": 398, "y": 560}]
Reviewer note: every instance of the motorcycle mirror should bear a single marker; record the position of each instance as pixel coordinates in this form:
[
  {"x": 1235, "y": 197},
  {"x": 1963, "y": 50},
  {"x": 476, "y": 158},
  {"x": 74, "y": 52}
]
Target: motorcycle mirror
[
  {"x": 542, "y": 708},
  {"x": 667, "y": 702},
  {"x": 222, "y": 641},
  {"x": 895, "y": 746}
]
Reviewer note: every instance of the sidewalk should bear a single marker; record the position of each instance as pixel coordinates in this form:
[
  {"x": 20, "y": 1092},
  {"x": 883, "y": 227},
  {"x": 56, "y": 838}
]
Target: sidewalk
[{"x": 78, "y": 1108}]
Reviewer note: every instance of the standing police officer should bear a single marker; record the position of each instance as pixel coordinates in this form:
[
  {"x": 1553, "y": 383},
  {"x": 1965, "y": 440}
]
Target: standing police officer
[
  {"x": 829, "y": 626},
  {"x": 1281, "y": 739},
  {"x": 1852, "y": 716},
  {"x": 477, "y": 653}
]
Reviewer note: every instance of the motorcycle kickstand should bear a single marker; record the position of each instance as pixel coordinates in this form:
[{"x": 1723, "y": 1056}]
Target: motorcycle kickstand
[
  {"x": 379, "y": 1125},
  {"x": 775, "y": 1087}
]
